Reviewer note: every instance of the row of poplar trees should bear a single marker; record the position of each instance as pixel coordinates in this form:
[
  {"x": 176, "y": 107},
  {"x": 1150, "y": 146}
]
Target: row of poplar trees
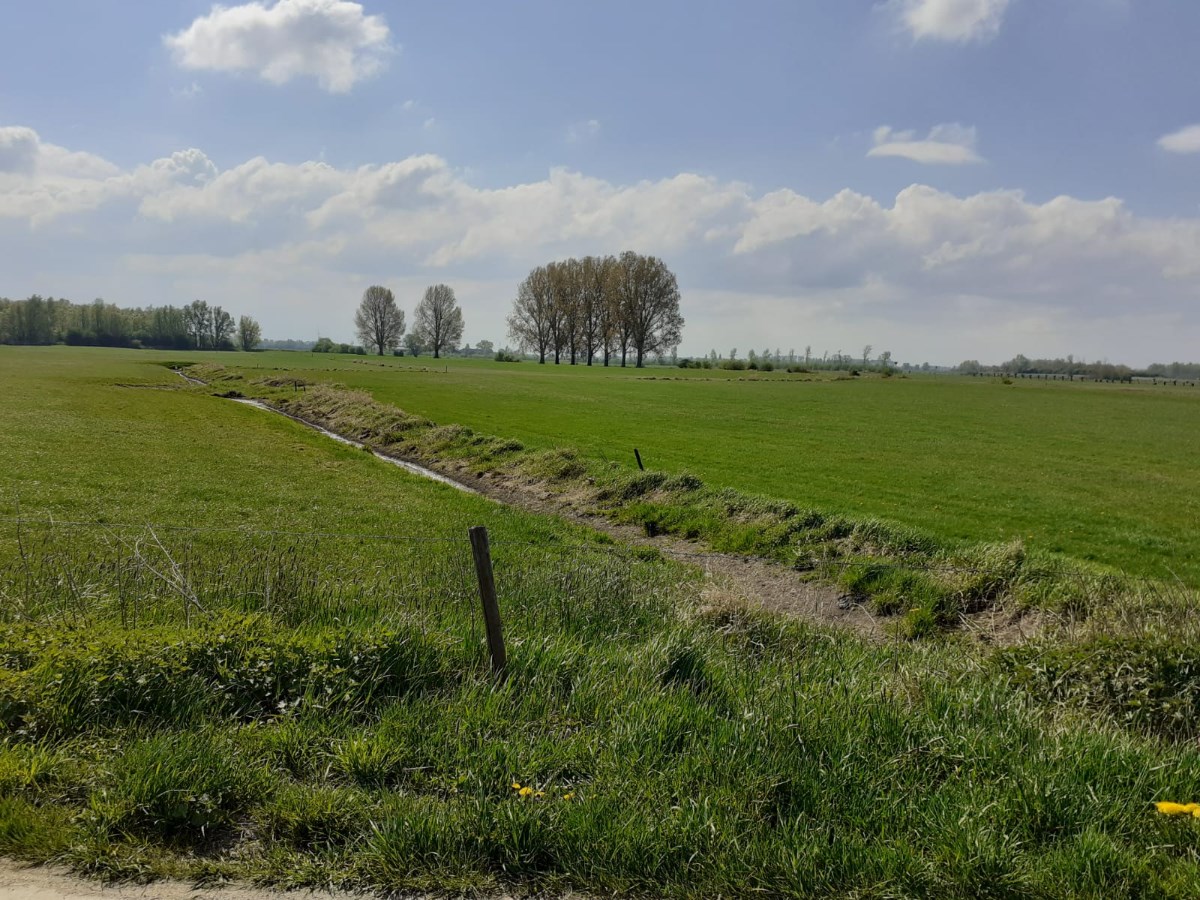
[{"x": 598, "y": 307}]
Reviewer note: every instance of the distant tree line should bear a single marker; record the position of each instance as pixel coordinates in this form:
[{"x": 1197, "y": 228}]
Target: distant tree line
[
  {"x": 328, "y": 345},
  {"x": 768, "y": 360},
  {"x": 285, "y": 344},
  {"x": 1070, "y": 367},
  {"x": 197, "y": 326},
  {"x": 601, "y": 308}
]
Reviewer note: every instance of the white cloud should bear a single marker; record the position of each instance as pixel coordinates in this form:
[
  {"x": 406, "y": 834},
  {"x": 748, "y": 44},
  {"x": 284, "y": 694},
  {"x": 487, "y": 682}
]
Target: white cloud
[
  {"x": 18, "y": 149},
  {"x": 951, "y": 20},
  {"x": 1186, "y": 140},
  {"x": 965, "y": 273},
  {"x": 582, "y": 131},
  {"x": 946, "y": 145},
  {"x": 333, "y": 41},
  {"x": 39, "y": 181}
]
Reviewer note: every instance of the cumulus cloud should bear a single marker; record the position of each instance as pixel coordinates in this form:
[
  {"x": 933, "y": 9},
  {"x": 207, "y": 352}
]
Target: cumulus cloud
[
  {"x": 18, "y": 149},
  {"x": 1186, "y": 140},
  {"x": 946, "y": 145},
  {"x": 925, "y": 262},
  {"x": 334, "y": 41},
  {"x": 951, "y": 20}
]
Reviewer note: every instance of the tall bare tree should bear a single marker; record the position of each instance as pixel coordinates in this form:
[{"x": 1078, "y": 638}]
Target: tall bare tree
[
  {"x": 648, "y": 300},
  {"x": 565, "y": 282},
  {"x": 532, "y": 323},
  {"x": 438, "y": 321},
  {"x": 598, "y": 304},
  {"x": 595, "y": 280},
  {"x": 378, "y": 320},
  {"x": 620, "y": 301}
]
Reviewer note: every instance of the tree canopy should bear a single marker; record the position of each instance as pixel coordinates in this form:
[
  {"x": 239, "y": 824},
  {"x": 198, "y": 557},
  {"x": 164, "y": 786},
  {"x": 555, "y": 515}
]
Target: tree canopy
[
  {"x": 378, "y": 321},
  {"x": 598, "y": 306},
  {"x": 438, "y": 320}
]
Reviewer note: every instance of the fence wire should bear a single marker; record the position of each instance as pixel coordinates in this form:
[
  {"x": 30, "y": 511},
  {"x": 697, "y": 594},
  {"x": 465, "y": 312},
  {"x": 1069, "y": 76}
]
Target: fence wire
[{"x": 151, "y": 573}]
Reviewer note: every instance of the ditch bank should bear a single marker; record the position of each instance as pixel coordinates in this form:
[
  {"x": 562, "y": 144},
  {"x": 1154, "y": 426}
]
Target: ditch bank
[
  {"x": 876, "y": 578},
  {"x": 408, "y": 466},
  {"x": 730, "y": 577}
]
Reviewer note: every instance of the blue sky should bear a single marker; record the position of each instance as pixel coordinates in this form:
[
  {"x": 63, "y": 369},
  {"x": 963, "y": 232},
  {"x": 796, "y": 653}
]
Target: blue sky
[{"x": 942, "y": 178}]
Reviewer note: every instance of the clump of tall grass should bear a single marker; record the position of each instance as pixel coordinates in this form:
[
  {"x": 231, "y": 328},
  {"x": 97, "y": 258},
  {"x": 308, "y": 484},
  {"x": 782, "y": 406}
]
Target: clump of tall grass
[
  {"x": 183, "y": 785},
  {"x": 233, "y": 668},
  {"x": 1148, "y": 685}
]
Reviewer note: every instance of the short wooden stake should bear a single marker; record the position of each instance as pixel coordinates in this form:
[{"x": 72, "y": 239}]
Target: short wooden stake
[
  {"x": 487, "y": 593},
  {"x": 638, "y": 457}
]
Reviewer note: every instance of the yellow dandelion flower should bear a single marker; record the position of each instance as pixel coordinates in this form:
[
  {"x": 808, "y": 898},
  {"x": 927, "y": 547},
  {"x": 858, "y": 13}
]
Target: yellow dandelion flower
[
  {"x": 516, "y": 785},
  {"x": 540, "y": 794},
  {"x": 525, "y": 791},
  {"x": 571, "y": 794},
  {"x": 1175, "y": 809}
]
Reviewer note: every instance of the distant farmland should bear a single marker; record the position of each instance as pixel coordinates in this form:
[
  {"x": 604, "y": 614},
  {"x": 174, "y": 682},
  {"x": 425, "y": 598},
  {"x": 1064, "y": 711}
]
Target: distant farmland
[{"x": 1105, "y": 473}]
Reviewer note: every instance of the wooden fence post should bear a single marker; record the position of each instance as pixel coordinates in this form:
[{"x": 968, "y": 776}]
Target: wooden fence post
[{"x": 487, "y": 593}]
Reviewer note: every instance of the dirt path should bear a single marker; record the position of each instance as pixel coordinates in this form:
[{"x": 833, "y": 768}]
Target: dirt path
[
  {"x": 18, "y": 882},
  {"x": 743, "y": 578},
  {"x": 769, "y": 585}
]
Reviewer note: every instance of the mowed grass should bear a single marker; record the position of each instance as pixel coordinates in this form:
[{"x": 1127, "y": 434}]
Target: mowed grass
[
  {"x": 343, "y": 727},
  {"x": 1097, "y": 472}
]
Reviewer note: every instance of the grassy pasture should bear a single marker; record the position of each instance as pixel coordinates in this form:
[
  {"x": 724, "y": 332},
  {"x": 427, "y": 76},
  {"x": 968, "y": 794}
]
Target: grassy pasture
[
  {"x": 346, "y": 730},
  {"x": 1097, "y": 472}
]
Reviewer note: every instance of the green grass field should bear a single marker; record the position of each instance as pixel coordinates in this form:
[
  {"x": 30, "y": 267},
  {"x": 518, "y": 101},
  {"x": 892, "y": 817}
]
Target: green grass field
[
  {"x": 272, "y": 691},
  {"x": 1097, "y": 472}
]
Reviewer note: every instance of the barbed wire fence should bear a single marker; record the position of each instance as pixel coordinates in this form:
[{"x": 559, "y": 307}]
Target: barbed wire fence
[{"x": 141, "y": 574}]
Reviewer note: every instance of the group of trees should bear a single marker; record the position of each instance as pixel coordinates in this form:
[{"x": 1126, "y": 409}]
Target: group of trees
[
  {"x": 770, "y": 359},
  {"x": 437, "y": 321},
  {"x": 197, "y": 326},
  {"x": 593, "y": 307},
  {"x": 1071, "y": 367}
]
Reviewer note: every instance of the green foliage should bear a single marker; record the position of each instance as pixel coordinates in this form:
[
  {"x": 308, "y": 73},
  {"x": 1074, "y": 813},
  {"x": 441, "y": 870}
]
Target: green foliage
[
  {"x": 675, "y": 744},
  {"x": 239, "y": 669},
  {"x": 185, "y": 785},
  {"x": 1147, "y": 684},
  {"x": 316, "y": 818}
]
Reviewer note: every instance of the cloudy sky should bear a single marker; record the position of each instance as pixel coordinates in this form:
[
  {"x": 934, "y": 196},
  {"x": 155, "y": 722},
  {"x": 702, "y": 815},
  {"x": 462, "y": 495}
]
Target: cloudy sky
[{"x": 942, "y": 178}]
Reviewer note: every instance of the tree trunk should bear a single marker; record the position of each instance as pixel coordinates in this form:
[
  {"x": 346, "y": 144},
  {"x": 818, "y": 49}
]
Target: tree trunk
[{"x": 639, "y": 357}]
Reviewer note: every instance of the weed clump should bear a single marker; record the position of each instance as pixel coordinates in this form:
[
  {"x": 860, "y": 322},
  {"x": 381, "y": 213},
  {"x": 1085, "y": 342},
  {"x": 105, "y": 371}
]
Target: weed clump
[
  {"x": 183, "y": 786},
  {"x": 237, "y": 668},
  {"x": 1145, "y": 684}
]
